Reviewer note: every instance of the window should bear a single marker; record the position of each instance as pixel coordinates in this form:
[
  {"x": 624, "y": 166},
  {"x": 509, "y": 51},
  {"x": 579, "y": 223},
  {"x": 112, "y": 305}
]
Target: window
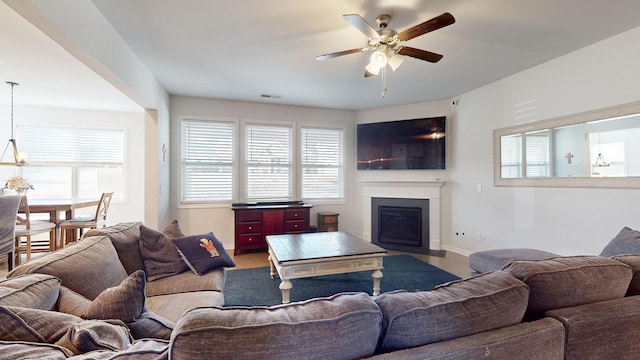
[
  {"x": 268, "y": 162},
  {"x": 322, "y": 166},
  {"x": 67, "y": 163},
  {"x": 207, "y": 160},
  {"x": 511, "y": 155},
  {"x": 538, "y": 156},
  {"x": 217, "y": 153}
]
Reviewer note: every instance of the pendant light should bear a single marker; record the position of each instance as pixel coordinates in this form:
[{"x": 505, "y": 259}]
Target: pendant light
[{"x": 18, "y": 158}]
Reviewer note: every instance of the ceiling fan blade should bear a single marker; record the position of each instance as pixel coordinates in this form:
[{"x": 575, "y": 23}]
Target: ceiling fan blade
[
  {"x": 436, "y": 23},
  {"x": 362, "y": 25},
  {"x": 340, "y": 53},
  {"x": 419, "y": 54}
]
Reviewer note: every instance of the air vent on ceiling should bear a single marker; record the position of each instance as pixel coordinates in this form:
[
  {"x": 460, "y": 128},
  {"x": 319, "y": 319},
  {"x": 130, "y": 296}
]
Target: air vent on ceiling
[{"x": 269, "y": 96}]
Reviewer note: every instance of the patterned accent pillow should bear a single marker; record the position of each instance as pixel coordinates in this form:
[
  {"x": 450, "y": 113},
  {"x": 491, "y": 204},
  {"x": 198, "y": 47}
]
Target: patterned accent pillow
[
  {"x": 160, "y": 257},
  {"x": 203, "y": 253}
]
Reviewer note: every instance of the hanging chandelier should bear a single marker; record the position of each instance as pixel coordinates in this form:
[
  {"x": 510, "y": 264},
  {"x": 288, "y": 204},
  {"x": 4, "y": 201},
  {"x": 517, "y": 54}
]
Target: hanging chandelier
[{"x": 19, "y": 159}]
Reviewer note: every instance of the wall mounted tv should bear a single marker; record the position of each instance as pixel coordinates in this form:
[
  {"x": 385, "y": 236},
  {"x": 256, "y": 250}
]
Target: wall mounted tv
[{"x": 402, "y": 144}]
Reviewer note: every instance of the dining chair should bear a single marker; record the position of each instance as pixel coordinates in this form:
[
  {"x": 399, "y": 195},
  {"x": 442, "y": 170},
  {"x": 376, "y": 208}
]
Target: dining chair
[
  {"x": 99, "y": 220},
  {"x": 8, "y": 211},
  {"x": 26, "y": 229}
]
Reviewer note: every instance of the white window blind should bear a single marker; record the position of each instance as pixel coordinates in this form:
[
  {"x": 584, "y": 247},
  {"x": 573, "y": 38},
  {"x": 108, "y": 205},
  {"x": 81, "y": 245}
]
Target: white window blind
[
  {"x": 322, "y": 166},
  {"x": 511, "y": 155},
  {"x": 74, "y": 162},
  {"x": 207, "y": 161},
  {"x": 72, "y": 145},
  {"x": 268, "y": 162},
  {"x": 538, "y": 153}
]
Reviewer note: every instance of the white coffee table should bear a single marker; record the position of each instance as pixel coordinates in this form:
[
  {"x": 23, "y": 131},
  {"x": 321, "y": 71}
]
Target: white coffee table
[{"x": 296, "y": 256}]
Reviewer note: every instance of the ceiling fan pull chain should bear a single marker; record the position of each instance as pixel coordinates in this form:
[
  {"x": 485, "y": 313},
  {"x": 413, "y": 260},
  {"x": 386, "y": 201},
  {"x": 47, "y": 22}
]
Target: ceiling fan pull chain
[{"x": 384, "y": 82}]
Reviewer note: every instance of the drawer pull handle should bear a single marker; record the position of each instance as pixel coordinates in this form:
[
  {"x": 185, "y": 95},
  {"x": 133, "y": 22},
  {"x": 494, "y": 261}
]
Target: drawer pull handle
[
  {"x": 249, "y": 227},
  {"x": 295, "y": 226},
  {"x": 250, "y": 239},
  {"x": 295, "y": 215}
]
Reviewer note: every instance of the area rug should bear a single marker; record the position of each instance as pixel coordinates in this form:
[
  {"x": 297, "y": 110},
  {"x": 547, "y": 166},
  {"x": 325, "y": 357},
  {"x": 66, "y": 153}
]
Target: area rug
[{"x": 254, "y": 287}]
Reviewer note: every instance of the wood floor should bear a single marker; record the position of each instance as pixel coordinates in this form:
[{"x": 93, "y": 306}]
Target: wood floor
[{"x": 451, "y": 262}]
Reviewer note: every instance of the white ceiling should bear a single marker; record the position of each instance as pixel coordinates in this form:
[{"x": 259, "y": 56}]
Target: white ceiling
[{"x": 242, "y": 49}]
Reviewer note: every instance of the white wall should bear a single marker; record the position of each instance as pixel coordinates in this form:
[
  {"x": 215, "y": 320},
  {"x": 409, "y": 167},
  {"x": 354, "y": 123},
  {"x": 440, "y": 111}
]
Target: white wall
[
  {"x": 132, "y": 208},
  {"x": 412, "y": 111},
  {"x": 82, "y": 29},
  {"x": 219, "y": 218},
  {"x": 561, "y": 220}
]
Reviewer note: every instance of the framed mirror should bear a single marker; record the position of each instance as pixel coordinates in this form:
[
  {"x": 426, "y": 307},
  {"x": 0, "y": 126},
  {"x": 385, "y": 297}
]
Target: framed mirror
[{"x": 599, "y": 148}]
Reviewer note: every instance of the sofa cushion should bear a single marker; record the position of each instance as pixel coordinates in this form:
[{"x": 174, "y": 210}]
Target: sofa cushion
[
  {"x": 542, "y": 340},
  {"x": 343, "y": 326},
  {"x": 187, "y": 282},
  {"x": 203, "y": 252},
  {"x": 124, "y": 237},
  {"x": 160, "y": 257},
  {"x": 96, "y": 256},
  {"x": 491, "y": 260},
  {"x": 570, "y": 281},
  {"x": 94, "y": 335},
  {"x": 626, "y": 242},
  {"x": 36, "y": 291},
  {"x": 484, "y": 302},
  {"x": 30, "y": 350},
  {"x": 601, "y": 330},
  {"x": 172, "y": 306},
  {"x": 634, "y": 262},
  {"x": 35, "y": 325}
]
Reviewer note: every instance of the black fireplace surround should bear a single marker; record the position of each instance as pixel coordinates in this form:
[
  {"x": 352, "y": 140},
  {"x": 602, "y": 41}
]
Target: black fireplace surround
[{"x": 400, "y": 224}]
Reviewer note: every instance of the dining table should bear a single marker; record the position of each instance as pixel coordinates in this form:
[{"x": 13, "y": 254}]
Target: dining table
[{"x": 56, "y": 208}]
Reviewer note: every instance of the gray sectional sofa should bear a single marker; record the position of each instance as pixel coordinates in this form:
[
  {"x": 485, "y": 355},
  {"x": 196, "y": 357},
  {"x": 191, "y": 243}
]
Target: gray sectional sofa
[{"x": 91, "y": 301}]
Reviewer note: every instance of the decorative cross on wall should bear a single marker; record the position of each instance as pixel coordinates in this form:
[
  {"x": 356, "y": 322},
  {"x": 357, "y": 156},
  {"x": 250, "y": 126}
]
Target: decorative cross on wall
[{"x": 569, "y": 156}]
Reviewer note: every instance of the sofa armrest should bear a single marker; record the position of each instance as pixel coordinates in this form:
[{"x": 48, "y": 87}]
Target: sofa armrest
[{"x": 585, "y": 325}]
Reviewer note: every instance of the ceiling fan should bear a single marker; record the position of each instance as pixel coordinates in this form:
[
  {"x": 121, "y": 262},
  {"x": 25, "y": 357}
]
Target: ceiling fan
[{"x": 387, "y": 43}]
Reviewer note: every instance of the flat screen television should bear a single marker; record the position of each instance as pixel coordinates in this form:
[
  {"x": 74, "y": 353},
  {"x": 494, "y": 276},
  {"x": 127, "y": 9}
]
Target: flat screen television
[{"x": 402, "y": 144}]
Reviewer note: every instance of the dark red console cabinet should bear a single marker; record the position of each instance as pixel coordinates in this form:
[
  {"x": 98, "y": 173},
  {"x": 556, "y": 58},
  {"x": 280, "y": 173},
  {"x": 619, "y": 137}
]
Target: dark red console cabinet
[{"x": 253, "y": 222}]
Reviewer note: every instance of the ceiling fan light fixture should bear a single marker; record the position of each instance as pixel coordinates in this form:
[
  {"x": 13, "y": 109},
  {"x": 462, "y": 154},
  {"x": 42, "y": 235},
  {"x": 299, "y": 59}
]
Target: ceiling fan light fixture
[
  {"x": 372, "y": 69},
  {"x": 378, "y": 59},
  {"x": 394, "y": 62}
]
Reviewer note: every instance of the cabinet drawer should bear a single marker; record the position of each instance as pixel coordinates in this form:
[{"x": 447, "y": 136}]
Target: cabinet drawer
[
  {"x": 254, "y": 239},
  {"x": 250, "y": 227},
  {"x": 253, "y": 215},
  {"x": 295, "y": 214},
  {"x": 295, "y": 226},
  {"x": 332, "y": 219}
]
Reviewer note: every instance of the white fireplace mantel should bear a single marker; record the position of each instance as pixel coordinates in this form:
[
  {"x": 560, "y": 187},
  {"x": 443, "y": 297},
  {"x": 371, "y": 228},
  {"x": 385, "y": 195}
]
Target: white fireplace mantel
[{"x": 404, "y": 190}]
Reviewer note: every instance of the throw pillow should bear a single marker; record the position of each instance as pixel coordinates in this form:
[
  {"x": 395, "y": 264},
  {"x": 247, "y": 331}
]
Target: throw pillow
[
  {"x": 91, "y": 335},
  {"x": 626, "y": 242},
  {"x": 203, "y": 252},
  {"x": 124, "y": 302},
  {"x": 159, "y": 256},
  {"x": 38, "y": 291}
]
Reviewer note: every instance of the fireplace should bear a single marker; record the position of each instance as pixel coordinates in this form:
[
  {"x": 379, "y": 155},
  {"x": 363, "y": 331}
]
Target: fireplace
[{"x": 400, "y": 224}]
